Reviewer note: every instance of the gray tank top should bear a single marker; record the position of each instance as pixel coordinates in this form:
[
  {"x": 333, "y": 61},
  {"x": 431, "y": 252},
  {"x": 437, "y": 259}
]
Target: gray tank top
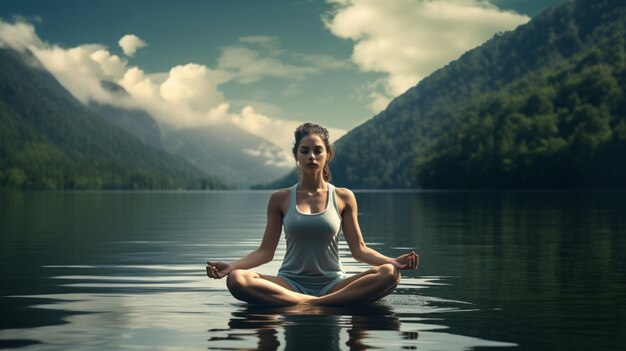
[{"x": 312, "y": 241}]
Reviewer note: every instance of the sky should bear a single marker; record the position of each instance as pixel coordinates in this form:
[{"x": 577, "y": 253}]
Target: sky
[{"x": 265, "y": 66}]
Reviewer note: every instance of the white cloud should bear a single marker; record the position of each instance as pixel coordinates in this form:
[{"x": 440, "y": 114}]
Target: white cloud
[
  {"x": 266, "y": 127},
  {"x": 139, "y": 85},
  {"x": 186, "y": 96},
  {"x": 272, "y": 154},
  {"x": 130, "y": 43},
  {"x": 18, "y": 36},
  {"x": 379, "y": 100},
  {"x": 219, "y": 114},
  {"x": 113, "y": 67},
  {"x": 82, "y": 69},
  {"x": 192, "y": 85},
  {"x": 170, "y": 102},
  {"x": 262, "y": 56},
  {"x": 409, "y": 39},
  {"x": 249, "y": 66},
  {"x": 280, "y": 132}
]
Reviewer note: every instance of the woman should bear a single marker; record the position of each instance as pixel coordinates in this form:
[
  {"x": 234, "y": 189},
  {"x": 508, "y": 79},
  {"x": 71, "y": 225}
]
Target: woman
[{"x": 312, "y": 212}]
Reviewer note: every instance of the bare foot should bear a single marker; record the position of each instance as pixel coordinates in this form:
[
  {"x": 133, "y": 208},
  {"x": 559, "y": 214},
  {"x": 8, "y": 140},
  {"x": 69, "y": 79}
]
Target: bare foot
[
  {"x": 307, "y": 307},
  {"x": 307, "y": 301}
]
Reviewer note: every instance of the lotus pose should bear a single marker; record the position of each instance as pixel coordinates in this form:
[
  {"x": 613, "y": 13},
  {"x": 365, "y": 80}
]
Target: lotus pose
[{"x": 312, "y": 213}]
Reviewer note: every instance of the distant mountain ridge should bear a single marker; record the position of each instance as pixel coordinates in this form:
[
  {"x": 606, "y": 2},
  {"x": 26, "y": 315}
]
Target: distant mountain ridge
[
  {"x": 49, "y": 140},
  {"x": 137, "y": 122},
  {"x": 218, "y": 150},
  {"x": 224, "y": 150},
  {"x": 541, "y": 106}
]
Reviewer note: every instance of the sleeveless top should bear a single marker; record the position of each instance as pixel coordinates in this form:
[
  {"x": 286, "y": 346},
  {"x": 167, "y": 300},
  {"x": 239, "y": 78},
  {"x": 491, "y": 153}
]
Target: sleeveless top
[{"x": 312, "y": 241}]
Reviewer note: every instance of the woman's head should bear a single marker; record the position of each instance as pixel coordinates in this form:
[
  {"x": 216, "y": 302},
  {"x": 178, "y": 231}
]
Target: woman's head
[{"x": 312, "y": 149}]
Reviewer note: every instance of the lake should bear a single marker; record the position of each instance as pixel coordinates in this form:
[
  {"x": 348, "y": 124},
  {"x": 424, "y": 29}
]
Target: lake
[{"x": 499, "y": 270}]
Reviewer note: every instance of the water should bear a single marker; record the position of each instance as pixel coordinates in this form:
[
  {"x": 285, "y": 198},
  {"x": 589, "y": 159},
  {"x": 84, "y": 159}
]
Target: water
[{"x": 125, "y": 270}]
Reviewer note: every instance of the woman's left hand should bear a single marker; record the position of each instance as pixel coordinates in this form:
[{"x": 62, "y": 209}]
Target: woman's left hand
[{"x": 406, "y": 261}]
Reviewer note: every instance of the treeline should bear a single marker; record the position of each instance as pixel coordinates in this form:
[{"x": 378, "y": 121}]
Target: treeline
[
  {"x": 49, "y": 140},
  {"x": 41, "y": 166},
  {"x": 39, "y": 170},
  {"x": 17, "y": 179},
  {"x": 560, "y": 127},
  {"x": 542, "y": 106}
]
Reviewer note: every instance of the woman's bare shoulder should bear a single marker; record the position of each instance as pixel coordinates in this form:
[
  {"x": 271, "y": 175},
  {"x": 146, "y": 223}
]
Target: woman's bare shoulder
[
  {"x": 346, "y": 195},
  {"x": 279, "y": 193},
  {"x": 280, "y": 197}
]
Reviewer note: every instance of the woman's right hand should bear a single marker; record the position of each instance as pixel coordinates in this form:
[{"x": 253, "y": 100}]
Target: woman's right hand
[
  {"x": 217, "y": 269},
  {"x": 407, "y": 261}
]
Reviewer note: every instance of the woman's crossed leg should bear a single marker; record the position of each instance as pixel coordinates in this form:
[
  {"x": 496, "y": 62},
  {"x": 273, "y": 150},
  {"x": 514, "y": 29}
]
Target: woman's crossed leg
[{"x": 368, "y": 286}]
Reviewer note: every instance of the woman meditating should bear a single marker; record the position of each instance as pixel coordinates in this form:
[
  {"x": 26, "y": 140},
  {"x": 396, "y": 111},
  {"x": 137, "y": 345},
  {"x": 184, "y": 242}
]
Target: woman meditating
[{"x": 312, "y": 213}]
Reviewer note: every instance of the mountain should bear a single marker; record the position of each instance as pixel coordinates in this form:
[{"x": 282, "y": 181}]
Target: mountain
[
  {"x": 221, "y": 150},
  {"x": 49, "y": 140},
  {"x": 227, "y": 152},
  {"x": 542, "y": 106},
  {"x": 137, "y": 122},
  {"x": 560, "y": 126}
]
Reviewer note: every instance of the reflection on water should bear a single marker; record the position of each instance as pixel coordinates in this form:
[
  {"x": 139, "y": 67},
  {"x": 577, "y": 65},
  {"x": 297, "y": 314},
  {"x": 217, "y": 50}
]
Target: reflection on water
[
  {"x": 370, "y": 326},
  {"x": 171, "y": 309},
  {"x": 310, "y": 327},
  {"x": 94, "y": 271}
]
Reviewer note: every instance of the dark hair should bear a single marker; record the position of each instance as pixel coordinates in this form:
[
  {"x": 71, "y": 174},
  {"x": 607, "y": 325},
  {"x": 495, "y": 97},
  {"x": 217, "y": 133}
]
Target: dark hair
[{"x": 309, "y": 129}]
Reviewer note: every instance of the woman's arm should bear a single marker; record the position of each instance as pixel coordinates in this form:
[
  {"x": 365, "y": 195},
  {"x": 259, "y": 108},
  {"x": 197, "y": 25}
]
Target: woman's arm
[
  {"x": 265, "y": 252},
  {"x": 354, "y": 237}
]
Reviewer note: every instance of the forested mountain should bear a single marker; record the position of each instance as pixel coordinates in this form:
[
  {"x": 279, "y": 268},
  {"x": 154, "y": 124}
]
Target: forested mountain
[
  {"x": 221, "y": 150},
  {"x": 49, "y": 140},
  {"x": 562, "y": 126},
  {"x": 226, "y": 151},
  {"x": 137, "y": 122},
  {"x": 539, "y": 107}
]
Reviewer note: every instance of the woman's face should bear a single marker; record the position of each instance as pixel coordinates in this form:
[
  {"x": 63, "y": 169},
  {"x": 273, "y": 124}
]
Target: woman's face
[{"x": 311, "y": 155}]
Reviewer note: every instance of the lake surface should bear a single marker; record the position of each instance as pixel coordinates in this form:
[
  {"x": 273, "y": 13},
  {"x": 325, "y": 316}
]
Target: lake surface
[{"x": 125, "y": 270}]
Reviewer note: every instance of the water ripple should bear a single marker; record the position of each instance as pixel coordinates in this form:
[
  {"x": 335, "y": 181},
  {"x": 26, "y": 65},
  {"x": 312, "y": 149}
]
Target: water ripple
[{"x": 156, "y": 306}]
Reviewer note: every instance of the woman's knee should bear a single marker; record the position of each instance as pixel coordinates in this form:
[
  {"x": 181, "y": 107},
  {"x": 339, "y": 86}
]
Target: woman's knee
[
  {"x": 237, "y": 280},
  {"x": 389, "y": 274}
]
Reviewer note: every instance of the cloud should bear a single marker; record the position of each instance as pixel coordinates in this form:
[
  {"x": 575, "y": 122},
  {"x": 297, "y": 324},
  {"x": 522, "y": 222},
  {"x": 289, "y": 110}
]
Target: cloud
[
  {"x": 280, "y": 132},
  {"x": 139, "y": 85},
  {"x": 249, "y": 66},
  {"x": 258, "y": 39},
  {"x": 113, "y": 67},
  {"x": 18, "y": 36},
  {"x": 277, "y": 132},
  {"x": 185, "y": 98},
  {"x": 188, "y": 95},
  {"x": 272, "y": 154},
  {"x": 323, "y": 62},
  {"x": 262, "y": 56},
  {"x": 193, "y": 85},
  {"x": 130, "y": 43},
  {"x": 82, "y": 69},
  {"x": 409, "y": 39}
]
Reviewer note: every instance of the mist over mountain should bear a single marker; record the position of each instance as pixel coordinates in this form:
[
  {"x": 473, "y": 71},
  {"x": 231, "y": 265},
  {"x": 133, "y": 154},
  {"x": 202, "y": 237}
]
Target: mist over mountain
[
  {"x": 539, "y": 107},
  {"x": 228, "y": 152},
  {"x": 137, "y": 122},
  {"x": 49, "y": 140},
  {"x": 222, "y": 150},
  {"x": 542, "y": 106}
]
